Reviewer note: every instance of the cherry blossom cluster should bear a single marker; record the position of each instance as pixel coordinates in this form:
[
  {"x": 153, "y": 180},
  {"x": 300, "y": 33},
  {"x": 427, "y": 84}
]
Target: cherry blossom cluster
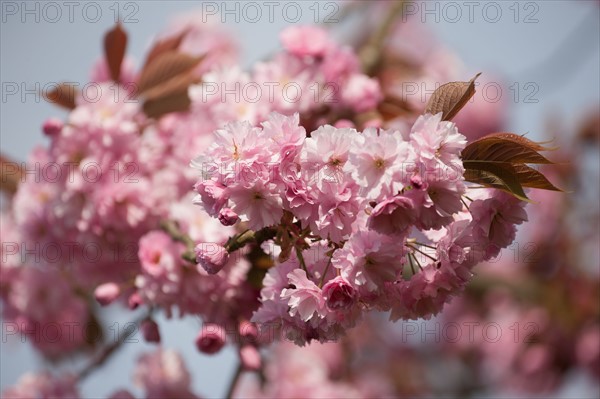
[
  {"x": 379, "y": 219},
  {"x": 315, "y": 209}
]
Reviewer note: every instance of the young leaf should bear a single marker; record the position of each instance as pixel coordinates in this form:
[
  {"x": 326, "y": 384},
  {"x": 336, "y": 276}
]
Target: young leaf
[
  {"x": 162, "y": 46},
  {"x": 501, "y": 175},
  {"x": 175, "y": 102},
  {"x": 529, "y": 177},
  {"x": 177, "y": 84},
  {"x": 166, "y": 66},
  {"x": 500, "y": 161},
  {"x": 115, "y": 43},
  {"x": 64, "y": 95},
  {"x": 505, "y": 147},
  {"x": 451, "y": 98}
]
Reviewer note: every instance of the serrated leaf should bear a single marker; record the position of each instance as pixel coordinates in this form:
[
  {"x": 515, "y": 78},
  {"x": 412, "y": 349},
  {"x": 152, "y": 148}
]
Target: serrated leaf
[
  {"x": 64, "y": 95},
  {"x": 115, "y": 43},
  {"x": 505, "y": 147},
  {"x": 529, "y": 177},
  {"x": 166, "y": 66},
  {"x": 500, "y": 175},
  {"x": 175, "y": 102},
  {"x": 450, "y": 98},
  {"x": 162, "y": 46}
]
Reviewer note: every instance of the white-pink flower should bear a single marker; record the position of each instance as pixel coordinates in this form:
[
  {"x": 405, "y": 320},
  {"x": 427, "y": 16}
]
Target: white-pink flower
[
  {"x": 308, "y": 40},
  {"x": 303, "y": 296}
]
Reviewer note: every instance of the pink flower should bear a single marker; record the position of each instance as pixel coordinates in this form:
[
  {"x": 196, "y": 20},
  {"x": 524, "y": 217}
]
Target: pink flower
[
  {"x": 163, "y": 374},
  {"x": 211, "y": 256},
  {"x": 160, "y": 280},
  {"x": 326, "y": 152},
  {"x": 286, "y": 134},
  {"x": 437, "y": 143},
  {"x": 106, "y": 293},
  {"x": 211, "y": 339},
  {"x": 361, "y": 93},
  {"x": 228, "y": 217},
  {"x": 211, "y": 195},
  {"x": 369, "y": 259},
  {"x": 338, "y": 209},
  {"x": 304, "y": 298},
  {"x": 494, "y": 220},
  {"x": 376, "y": 162},
  {"x": 339, "y": 294},
  {"x": 393, "y": 216},
  {"x": 259, "y": 204},
  {"x": 305, "y": 41}
]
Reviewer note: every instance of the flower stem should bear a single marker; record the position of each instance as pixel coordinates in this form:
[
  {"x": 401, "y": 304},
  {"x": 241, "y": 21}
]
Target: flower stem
[
  {"x": 421, "y": 252},
  {"x": 112, "y": 348},
  {"x": 370, "y": 54},
  {"x": 325, "y": 272},
  {"x": 234, "y": 381}
]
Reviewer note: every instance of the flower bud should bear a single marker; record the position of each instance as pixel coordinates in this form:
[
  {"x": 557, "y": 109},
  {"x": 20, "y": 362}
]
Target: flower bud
[
  {"x": 134, "y": 301},
  {"x": 211, "y": 339},
  {"x": 250, "y": 357},
  {"x": 106, "y": 293},
  {"x": 228, "y": 217},
  {"x": 52, "y": 126},
  {"x": 150, "y": 331},
  {"x": 342, "y": 123},
  {"x": 248, "y": 331},
  {"x": 211, "y": 256},
  {"x": 339, "y": 294}
]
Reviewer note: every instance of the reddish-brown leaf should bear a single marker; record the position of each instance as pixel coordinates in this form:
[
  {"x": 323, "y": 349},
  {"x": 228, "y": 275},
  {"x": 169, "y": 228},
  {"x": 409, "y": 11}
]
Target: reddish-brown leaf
[
  {"x": 64, "y": 95},
  {"x": 166, "y": 66},
  {"x": 175, "y": 102},
  {"x": 500, "y": 175},
  {"x": 162, "y": 46},
  {"x": 529, "y": 177},
  {"x": 176, "y": 84},
  {"x": 115, "y": 43},
  {"x": 450, "y": 98},
  {"x": 505, "y": 147}
]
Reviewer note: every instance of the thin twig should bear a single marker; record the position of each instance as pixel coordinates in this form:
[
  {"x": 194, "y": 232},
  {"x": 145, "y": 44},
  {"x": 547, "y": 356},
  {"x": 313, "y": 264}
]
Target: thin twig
[
  {"x": 421, "y": 252},
  {"x": 234, "y": 381},
  {"x": 370, "y": 54},
  {"x": 111, "y": 349}
]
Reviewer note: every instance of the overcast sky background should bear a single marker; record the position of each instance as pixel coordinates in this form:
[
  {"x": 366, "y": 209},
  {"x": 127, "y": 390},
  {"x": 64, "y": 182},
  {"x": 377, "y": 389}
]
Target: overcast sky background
[{"x": 560, "y": 53}]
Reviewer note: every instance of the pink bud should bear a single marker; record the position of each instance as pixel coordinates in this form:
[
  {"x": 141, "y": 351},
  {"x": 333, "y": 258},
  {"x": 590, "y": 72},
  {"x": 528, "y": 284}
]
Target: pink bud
[
  {"x": 376, "y": 122},
  {"x": 134, "y": 301},
  {"x": 339, "y": 294},
  {"x": 248, "y": 331},
  {"x": 122, "y": 394},
  {"x": 211, "y": 256},
  {"x": 211, "y": 339},
  {"x": 106, "y": 293},
  {"x": 150, "y": 331},
  {"x": 342, "y": 123},
  {"x": 52, "y": 126},
  {"x": 228, "y": 217},
  {"x": 250, "y": 357}
]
